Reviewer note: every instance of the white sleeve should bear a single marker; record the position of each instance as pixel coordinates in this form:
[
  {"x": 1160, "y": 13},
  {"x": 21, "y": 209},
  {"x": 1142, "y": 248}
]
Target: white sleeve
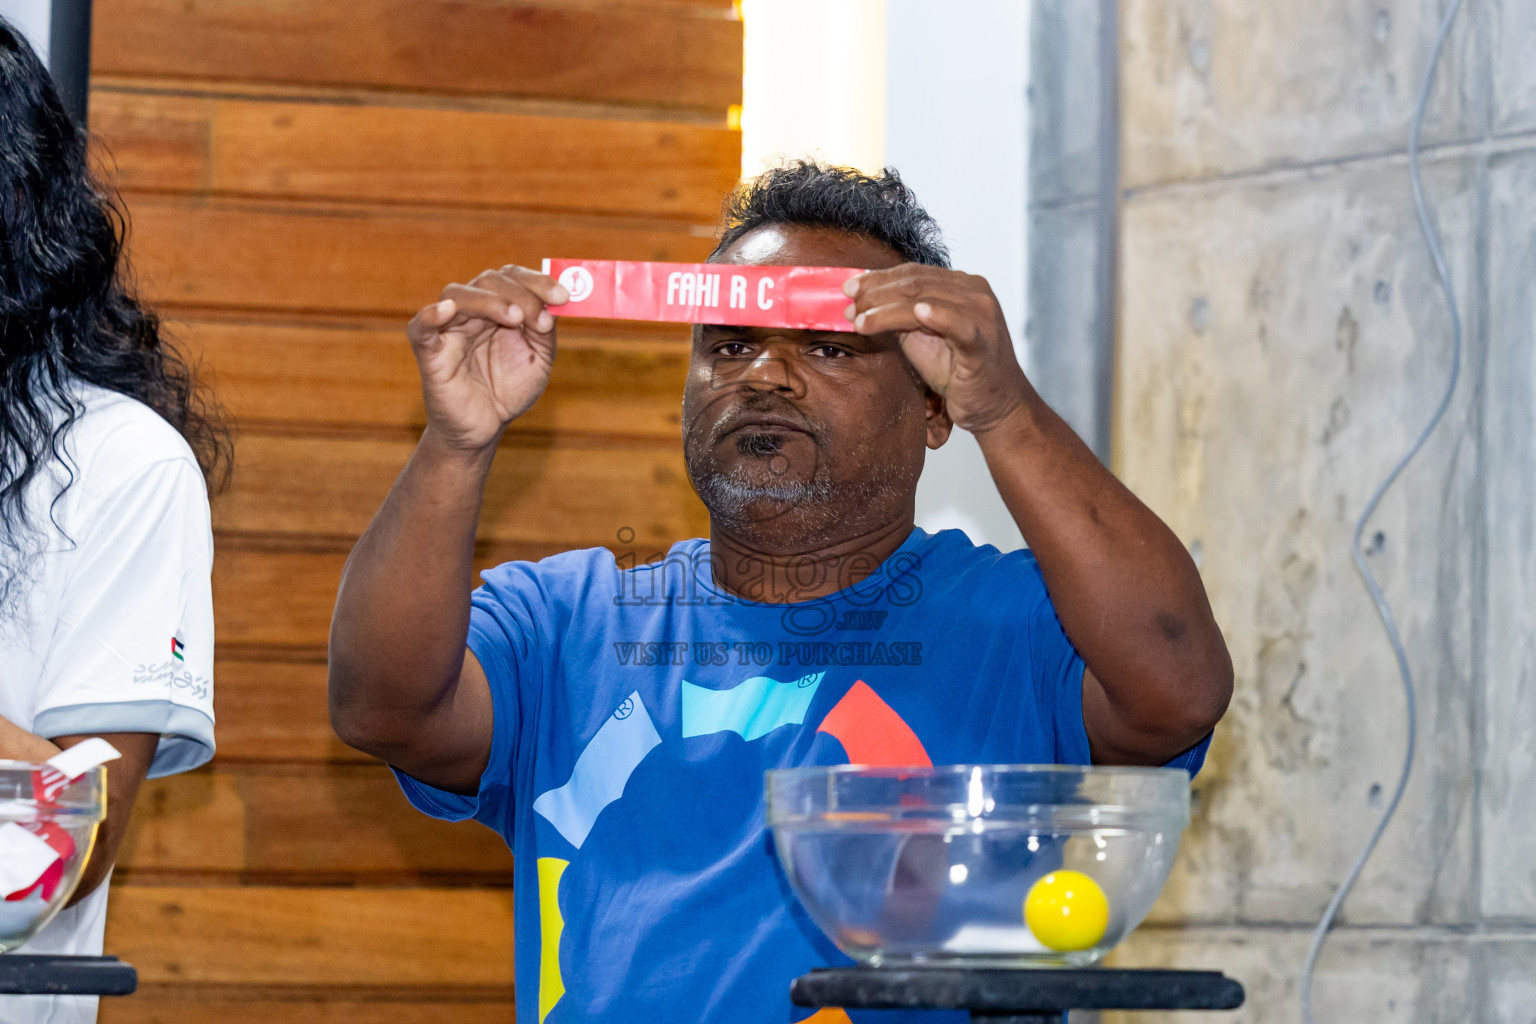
[{"x": 133, "y": 649}]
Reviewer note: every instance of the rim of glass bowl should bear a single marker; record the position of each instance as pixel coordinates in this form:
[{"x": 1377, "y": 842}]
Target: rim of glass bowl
[
  {"x": 1168, "y": 807},
  {"x": 83, "y": 798}
]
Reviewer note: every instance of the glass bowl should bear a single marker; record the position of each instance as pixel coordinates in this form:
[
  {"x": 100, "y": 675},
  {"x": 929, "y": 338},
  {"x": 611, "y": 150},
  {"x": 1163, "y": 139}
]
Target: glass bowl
[
  {"x": 68, "y": 823},
  {"x": 977, "y": 865}
]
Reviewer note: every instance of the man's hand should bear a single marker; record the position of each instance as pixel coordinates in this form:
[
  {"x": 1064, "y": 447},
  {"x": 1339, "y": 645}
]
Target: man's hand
[
  {"x": 952, "y": 329},
  {"x": 485, "y": 351}
]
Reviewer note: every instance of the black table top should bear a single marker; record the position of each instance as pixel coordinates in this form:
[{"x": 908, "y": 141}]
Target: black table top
[
  {"x": 1021, "y": 990},
  {"x": 27, "y": 974}
]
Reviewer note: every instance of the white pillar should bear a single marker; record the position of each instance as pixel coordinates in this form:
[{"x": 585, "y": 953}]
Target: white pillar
[
  {"x": 957, "y": 128},
  {"x": 813, "y": 82},
  {"x": 938, "y": 91}
]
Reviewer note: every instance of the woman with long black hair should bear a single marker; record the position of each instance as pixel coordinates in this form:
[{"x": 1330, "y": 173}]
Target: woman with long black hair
[{"x": 107, "y": 448}]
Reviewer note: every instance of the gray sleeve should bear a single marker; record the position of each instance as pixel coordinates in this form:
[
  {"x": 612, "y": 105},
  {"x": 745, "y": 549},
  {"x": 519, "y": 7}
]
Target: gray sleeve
[{"x": 186, "y": 734}]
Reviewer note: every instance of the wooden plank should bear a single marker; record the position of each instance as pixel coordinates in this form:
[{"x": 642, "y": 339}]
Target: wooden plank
[
  {"x": 209, "y": 800},
  {"x": 337, "y": 375},
  {"x": 275, "y": 711},
  {"x": 316, "y": 150},
  {"x": 154, "y": 142},
  {"x": 269, "y": 592},
  {"x": 354, "y": 822},
  {"x": 156, "y": 1004},
  {"x": 626, "y": 54},
  {"x": 291, "y": 936},
  {"x": 562, "y": 496},
  {"x": 347, "y": 823},
  {"x": 272, "y": 710},
  {"x": 281, "y": 598},
  {"x": 273, "y": 608},
  {"x": 390, "y": 260}
]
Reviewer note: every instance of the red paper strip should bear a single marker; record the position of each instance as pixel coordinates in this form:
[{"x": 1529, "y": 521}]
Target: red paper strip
[
  {"x": 68, "y": 765},
  {"x": 798, "y": 298},
  {"x": 47, "y": 783},
  {"x": 47, "y": 882}
]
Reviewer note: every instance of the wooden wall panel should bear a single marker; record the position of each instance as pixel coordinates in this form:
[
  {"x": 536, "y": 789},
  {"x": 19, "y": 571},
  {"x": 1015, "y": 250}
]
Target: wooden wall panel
[
  {"x": 308, "y": 936},
  {"x": 267, "y": 595},
  {"x": 274, "y": 598},
  {"x": 301, "y": 823},
  {"x": 233, "y": 254},
  {"x": 271, "y": 148},
  {"x": 336, "y": 375},
  {"x": 179, "y": 1004},
  {"x": 301, "y": 176},
  {"x": 672, "y": 55},
  {"x": 151, "y": 141},
  {"x": 274, "y": 711},
  {"x": 566, "y": 495}
]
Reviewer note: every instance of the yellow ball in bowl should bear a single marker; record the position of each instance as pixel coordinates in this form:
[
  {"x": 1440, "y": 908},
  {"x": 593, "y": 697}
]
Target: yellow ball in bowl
[{"x": 1067, "y": 911}]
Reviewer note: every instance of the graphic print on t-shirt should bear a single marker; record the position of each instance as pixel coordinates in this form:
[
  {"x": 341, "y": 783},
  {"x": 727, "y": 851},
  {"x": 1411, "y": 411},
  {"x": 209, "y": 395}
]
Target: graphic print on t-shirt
[
  {"x": 601, "y": 772},
  {"x": 673, "y": 906},
  {"x": 869, "y": 730},
  {"x": 751, "y": 709}
]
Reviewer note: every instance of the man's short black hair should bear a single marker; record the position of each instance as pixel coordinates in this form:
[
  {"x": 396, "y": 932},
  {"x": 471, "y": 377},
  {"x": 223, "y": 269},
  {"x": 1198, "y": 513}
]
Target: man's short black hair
[{"x": 812, "y": 194}]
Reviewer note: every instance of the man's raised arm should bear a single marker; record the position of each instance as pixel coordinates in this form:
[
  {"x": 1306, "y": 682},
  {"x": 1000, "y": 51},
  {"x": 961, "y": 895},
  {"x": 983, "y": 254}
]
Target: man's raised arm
[
  {"x": 403, "y": 686},
  {"x": 1128, "y": 595}
]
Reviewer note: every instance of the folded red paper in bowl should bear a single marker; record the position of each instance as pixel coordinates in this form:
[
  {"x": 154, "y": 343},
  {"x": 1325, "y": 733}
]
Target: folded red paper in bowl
[
  {"x": 35, "y": 855},
  {"x": 33, "y": 848},
  {"x": 798, "y": 298}
]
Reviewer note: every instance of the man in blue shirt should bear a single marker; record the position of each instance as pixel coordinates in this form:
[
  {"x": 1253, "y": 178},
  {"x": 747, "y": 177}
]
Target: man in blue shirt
[{"x": 614, "y": 724}]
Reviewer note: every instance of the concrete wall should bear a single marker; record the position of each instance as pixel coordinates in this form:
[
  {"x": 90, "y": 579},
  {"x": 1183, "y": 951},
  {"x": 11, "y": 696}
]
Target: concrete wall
[{"x": 1281, "y": 340}]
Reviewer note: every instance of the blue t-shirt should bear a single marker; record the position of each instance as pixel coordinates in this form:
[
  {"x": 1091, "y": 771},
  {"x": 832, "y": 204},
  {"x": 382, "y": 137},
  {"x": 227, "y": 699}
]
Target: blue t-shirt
[{"x": 637, "y": 709}]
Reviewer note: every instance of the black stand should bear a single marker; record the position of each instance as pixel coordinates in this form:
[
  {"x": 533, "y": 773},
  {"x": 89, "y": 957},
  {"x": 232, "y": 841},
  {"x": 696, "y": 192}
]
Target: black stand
[
  {"x": 1022, "y": 996},
  {"x": 27, "y": 975}
]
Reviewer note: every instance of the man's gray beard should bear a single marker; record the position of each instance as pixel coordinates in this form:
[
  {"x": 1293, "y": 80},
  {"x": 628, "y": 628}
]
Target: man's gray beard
[
  {"x": 806, "y": 509},
  {"x": 736, "y": 500}
]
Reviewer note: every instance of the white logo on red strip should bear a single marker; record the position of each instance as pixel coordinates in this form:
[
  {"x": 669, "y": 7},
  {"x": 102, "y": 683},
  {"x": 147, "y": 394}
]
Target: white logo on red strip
[
  {"x": 577, "y": 281},
  {"x": 48, "y": 783}
]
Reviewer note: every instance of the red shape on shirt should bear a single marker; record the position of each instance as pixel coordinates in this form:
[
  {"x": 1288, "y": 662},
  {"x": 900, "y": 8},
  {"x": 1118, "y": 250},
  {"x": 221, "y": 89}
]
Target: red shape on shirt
[{"x": 872, "y": 733}]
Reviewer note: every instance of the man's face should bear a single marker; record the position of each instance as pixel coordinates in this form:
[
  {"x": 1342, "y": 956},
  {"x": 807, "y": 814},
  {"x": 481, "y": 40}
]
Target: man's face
[{"x": 805, "y": 437}]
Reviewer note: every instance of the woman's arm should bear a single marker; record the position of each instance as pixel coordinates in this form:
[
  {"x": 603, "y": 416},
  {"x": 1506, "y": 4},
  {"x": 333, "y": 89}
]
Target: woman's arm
[
  {"x": 124, "y": 776},
  {"x": 17, "y": 744}
]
